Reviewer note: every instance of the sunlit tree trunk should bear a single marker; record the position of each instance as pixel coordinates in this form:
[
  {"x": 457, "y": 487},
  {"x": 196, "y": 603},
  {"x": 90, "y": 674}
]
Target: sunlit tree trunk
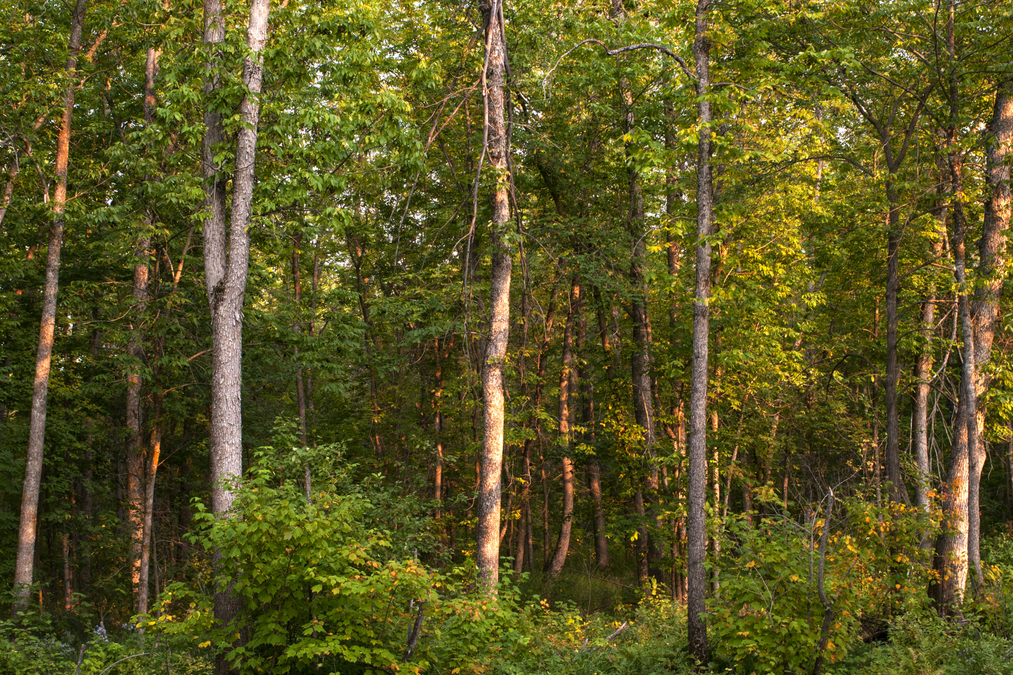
[
  {"x": 990, "y": 274},
  {"x": 488, "y": 501},
  {"x": 952, "y": 544},
  {"x": 27, "y": 530},
  {"x": 135, "y": 347},
  {"x": 150, "y": 472}
]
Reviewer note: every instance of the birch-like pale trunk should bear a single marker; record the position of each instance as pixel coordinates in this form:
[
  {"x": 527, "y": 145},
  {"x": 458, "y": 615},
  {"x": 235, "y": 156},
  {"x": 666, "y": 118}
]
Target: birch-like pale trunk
[
  {"x": 226, "y": 262},
  {"x": 491, "y": 462}
]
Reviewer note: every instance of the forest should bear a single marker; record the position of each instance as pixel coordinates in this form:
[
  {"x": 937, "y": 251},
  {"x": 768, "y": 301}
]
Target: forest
[{"x": 569, "y": 337}]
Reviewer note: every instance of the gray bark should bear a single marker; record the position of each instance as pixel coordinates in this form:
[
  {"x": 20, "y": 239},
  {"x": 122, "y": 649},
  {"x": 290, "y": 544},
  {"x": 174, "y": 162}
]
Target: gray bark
[
  {"x": 696, "y": 526},
  {"x": 226, "y": 261}
]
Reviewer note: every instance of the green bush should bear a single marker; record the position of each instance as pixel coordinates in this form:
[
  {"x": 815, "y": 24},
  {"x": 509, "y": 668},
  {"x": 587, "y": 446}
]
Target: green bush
[
  {"x": 38, "y": 646},
  {"x": 768, "y": 617},
  {"x": 323, "y": 587}
]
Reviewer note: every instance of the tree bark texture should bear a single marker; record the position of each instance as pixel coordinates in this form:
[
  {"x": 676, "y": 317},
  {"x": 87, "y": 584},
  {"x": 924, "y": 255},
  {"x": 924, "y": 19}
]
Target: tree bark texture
[
  {"x": 150, "y": 470},
  {"x": 696, "y": 526},
  {"x": 23, "y": 567},
  {"x": 499, "y": 305},
  {"x": 923, "y": 385},
  {"x": 989, "y": 277},
  {"x": 226, "y": 261},
  {"x": 952, "y": 544}
]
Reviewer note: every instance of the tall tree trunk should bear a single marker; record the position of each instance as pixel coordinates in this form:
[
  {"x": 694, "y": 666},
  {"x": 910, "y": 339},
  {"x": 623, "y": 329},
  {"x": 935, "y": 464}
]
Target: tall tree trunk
[
  {"x": 990, "y": 273},
  {"x": 68, "y": 586},
  {"x": 898, "y": 491},
  {"x": 567, "y": 387},
  {"x": 226, "y": 261},
  {"x": 536, "y": 404},
  {"x": 438, "y": 430},
  {"x": 524, "y": 521},
  {"x": 134, "y": 412},
  {"x": 922, "y": 375},
  {"x": 357, "y": 254},
  {"x": 952, "y": 543},
  {"x": 151, "y": 469},
  {"x": 499, "y": 304},
  {"x": 300, "y": 389},
  {"x": 24, "y": 563},
  {"x": 586, "y": 380},
  {"x": 696, "y": 521}
]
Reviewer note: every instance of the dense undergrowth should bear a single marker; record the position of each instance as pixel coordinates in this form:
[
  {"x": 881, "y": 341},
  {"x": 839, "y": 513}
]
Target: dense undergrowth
[
  {"x": 343, "y": 580},
  {"x": 553, "y": 639}
]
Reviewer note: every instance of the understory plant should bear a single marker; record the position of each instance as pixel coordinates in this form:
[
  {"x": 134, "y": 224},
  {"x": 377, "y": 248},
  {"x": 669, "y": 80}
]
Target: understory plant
[
  {"x": 321, "y": 585},
  {"x": 794, "y": 593}
]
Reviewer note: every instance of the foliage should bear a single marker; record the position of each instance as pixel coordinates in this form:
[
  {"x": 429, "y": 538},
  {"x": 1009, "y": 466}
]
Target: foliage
[
  {"x": 769, "y": 616},
  {"x": 40, "y": 646},
  {"x": 320, "y": 587}
]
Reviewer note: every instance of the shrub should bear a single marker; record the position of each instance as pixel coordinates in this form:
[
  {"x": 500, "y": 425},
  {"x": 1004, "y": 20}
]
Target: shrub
[{"x": 768, "y": 617}]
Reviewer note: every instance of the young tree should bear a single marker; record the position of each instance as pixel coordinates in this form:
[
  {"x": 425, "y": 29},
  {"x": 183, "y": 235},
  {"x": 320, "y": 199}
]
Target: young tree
[
  {"x": 696, "y": 525},
  {"x": 24, "y": 564}
]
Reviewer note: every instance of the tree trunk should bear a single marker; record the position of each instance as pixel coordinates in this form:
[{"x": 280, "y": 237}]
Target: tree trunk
[
  {"x": 24, "y": 563},
  {"x": 697, "y": 523},
  {"x": 923, "y": 386},
  {"x": 567, "y": 386},
  {"x": 134, "y": 412},
  {"x": 68, "y": 586},
  {"x": 585, "y": 378},
  {"x": 990, "y": 273},
  {"x": 499, "y": 304},
  {"x": 226, "y": 261},
  {"x": 898, "y": 492},
  {"x": 154, "y": 452},
  {"x": 438, "y": 431},
  {"x": 952, "y": 544}
]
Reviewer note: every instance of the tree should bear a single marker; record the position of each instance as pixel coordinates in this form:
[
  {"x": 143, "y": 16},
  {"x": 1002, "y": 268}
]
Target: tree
[
  {"x": 696, "y": 525},
  {"x": 33, "y": 469},
  {"x": 226, "y": 260},
  {"x": 490, "y": 477}
]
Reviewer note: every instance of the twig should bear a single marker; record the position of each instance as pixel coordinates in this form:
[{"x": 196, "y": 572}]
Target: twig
[
  {"x": 413, "y": 636},
  {"x": 132, "y": 656},
  {"x": 628, "y": 48},
  {"x": 80, "y": 658},
  {"x": 618, "y": 631}
]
